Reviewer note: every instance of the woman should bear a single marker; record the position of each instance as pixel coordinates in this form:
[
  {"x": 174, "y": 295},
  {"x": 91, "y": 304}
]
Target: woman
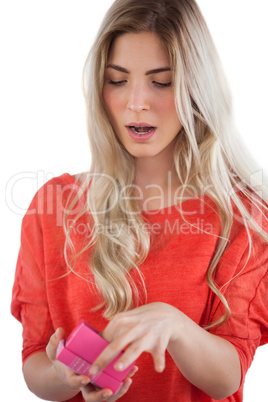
[{"x": 162, "y": 246}]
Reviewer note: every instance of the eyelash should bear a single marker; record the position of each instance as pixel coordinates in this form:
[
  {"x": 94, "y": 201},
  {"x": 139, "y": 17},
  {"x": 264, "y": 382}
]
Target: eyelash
[
  {"x": 161, "y": 85},
  {"x": 116, "y": 82},
  {"x": 158, "y": 84}
]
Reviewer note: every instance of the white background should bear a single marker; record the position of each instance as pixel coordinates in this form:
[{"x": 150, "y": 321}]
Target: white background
[{"x": 43, "y": 48}]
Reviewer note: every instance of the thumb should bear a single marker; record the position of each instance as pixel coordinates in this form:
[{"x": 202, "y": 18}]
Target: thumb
[
  {"x": 59, "y": 335},
  {"x": 53, "y": 343}
]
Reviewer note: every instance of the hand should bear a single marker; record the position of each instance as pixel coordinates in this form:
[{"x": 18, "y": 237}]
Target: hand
[
  {"x": 65, "y": 374},
  {"x": 90, "y": 392},
  {"x": 147, "y": 328}
]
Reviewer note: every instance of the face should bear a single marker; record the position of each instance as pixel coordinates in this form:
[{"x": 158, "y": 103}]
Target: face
[{"x": 139, "y": 96}]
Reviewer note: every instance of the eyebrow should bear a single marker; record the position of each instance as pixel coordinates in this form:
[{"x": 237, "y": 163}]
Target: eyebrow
[{"x": 124, "y": 70}]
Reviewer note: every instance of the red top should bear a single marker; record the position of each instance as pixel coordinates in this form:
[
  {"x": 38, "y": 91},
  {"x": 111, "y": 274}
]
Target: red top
[{"x": 44, "y": 298}]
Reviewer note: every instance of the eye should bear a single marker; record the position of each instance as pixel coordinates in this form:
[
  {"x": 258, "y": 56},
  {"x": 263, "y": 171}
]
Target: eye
[
  {"x": 161, "y": 84},
  {"x": 116, "y": 82}
]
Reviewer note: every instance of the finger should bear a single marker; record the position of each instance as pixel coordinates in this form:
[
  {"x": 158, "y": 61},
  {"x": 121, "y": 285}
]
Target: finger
[
  {"x": 76, "y": 379},
  {"x": 69, "y": 377},
  {"x": 131, "y": 354},
  {"x": 136, "y": 349},
  {"x": 112, "y": 351},
  {"x": 126, "y": 384},
  {"x": 108, "y": 355},
  {"x": 91, "y": 395},
  {"x": 159, "y": 355},
  {"x": 159, "y": 362},
  {"x": 133, "y": 371},
  {"x": 124, "y": 388},
  {"x": 53, "y": 343}
]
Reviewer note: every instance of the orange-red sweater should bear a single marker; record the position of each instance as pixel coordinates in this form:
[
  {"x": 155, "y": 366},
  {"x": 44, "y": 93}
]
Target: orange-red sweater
[{"x": 44, "y": 298}]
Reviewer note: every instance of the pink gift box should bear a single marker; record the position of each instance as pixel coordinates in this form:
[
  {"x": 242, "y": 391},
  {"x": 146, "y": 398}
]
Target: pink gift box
[{"x": 81, "y": 349}]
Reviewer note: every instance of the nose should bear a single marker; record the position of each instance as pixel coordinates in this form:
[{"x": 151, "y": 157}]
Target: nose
[{"x": 138, "y": 99}]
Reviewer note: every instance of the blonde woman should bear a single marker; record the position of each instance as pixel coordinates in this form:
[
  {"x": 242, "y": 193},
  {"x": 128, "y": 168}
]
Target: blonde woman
[{"x": 162, "y": 246}]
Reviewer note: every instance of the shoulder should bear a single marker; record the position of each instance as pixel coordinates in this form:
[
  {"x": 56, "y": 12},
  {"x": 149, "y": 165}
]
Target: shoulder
[
  {"x": 255, "y": 208},
  {"x": 246, "y": 253},
  {"x": 51, "y": 201},
  {"x": 47, "y": 195},
  {"x": 64, "y": 181}
]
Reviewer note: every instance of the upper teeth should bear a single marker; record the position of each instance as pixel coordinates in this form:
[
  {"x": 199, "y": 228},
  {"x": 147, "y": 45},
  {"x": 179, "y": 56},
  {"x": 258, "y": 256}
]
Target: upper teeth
[{"x": 141, "y": 130}]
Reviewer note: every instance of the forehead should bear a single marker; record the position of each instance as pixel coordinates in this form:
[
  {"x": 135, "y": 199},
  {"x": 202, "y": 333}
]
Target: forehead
[{"x": 143, "y": 49}]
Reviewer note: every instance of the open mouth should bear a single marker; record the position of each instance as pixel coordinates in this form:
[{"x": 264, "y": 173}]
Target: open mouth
[{"x": 141, "y": 130}]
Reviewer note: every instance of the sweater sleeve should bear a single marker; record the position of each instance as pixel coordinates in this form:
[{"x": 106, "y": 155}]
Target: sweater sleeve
[
  {"x": 246, "y": 292},
  {"x": 29, "y": 302},
  {"x": 40, "y": 261}
]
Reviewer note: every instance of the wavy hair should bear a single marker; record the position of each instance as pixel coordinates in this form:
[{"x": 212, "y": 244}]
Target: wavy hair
[{"x": 208, "y": 155}]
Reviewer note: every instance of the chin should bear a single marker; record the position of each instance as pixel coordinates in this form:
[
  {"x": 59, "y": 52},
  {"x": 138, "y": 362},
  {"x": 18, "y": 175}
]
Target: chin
[{"x": 142, "y": 153}]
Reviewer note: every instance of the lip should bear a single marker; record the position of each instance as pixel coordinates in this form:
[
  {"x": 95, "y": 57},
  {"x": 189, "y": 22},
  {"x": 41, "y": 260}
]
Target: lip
[
  {"x": 139, "y": 137},
  {"x": 142, "y": 124}
]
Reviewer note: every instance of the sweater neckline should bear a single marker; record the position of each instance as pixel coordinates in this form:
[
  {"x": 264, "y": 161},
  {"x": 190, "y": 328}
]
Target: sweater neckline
[{"x": 173, "y": 210}]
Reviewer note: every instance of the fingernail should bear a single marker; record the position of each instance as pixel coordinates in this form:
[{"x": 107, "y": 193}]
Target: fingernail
[
  {"x": 127, "y": 383},
  {"x": 94, "y": 370},
  {"x": 119, "y": 366},
  {"x": 132, "y": 372},
  {"x": 57, "y": 333},
  {"x": 106, "y": 394}
]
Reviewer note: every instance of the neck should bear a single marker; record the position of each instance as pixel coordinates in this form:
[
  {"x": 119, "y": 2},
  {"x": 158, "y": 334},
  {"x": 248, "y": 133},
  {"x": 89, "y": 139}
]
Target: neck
[
  {"x": 152, "y": 171},
  {"x": 157, "y": 182},
  {"x": 156, "y": 170}
]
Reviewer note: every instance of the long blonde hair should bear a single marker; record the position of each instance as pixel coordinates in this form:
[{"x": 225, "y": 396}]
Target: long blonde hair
[{"x": 207, "y": 154}]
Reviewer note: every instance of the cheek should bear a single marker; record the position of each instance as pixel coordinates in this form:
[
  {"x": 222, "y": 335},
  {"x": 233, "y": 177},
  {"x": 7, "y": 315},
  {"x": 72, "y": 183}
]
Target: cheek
[
  {"x": 167, "y": 108},
  {"x": 113, "y": 104},
  {"x": 106, "y": 99}
]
